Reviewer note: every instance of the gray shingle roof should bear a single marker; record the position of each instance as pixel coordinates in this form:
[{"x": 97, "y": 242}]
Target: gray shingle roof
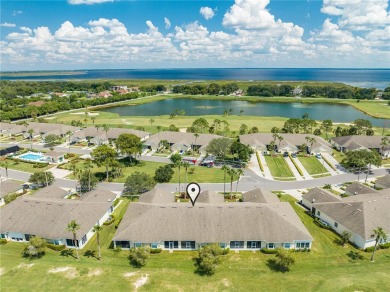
[
  {"x": 320, "y": 196},
  {"x": 359, "y": 189},
  {"x": 384, "y": 181},
  {"x": 182, "y": 138},
  {"x": 210, "y": 197},
  {"x": 157, "y": 196},
  {"x": 98, "y": 195},
  {"x": 49, "y": 218},
  {"x": 360, "y": 214},
  {"x": 51, "y": 192},
  {"x": 53, "y": 153},
  {"x": 260, "y": 196},
  {"x": 352, "y": 142},
  {"x": 9, "y": 186}
]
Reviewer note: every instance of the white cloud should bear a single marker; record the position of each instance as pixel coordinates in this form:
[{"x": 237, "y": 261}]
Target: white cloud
[
  {"x": 207, "y": 12},
  {"x": 167, "y": 23},
  {"x": 7, "y": 24},
  {"x": 88, "y": 2},
  {"x": 16, "y": 12}
]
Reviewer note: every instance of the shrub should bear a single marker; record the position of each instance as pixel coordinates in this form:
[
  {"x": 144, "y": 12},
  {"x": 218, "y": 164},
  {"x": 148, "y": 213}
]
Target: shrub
[
  {"x": 110, "y": 220},
  {"x": 69, "y": 155},
  {"x": 225, "y": 251},
  {"x": 55, "y": 247},
  {"x": 35, "y": 248},
  {"x": 139, "y": 256},
  {"x": 269, "y": 251},
  {"x": 259, "y": 161},
  {"x": 208, "y": 259},
  {"x": 285, "y": 259},
  {"x": 156, "y": 250},
  {"x": 116, "y": 202},
  {"x": 117, "y": 223},
  {"x": 385, "y": 245},
  {"x": 3, "y": 241},
  {"x": 320, "y": 224},
  {"x": 369, "y": 249},
  {"x": 296, "y": 165}
]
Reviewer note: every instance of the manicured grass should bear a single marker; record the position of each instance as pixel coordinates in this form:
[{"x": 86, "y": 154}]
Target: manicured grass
[
  {"x": 25, "y": 166},
  {"x": 339, "y": 156},
  {"x": 278, "y": 166},
  {"x": 199, "y": 174},
  {"x": 312, "y": 165},
  {"x": 328, "y": 267}
]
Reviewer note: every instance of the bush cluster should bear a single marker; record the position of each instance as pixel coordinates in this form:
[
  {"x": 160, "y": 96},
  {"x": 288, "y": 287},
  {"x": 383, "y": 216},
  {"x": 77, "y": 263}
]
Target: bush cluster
[
  {"x": 269, "y": 251},
  {"x": 3, "y": 241},
  {"x": 155, "y": 250},
  {"x": 109, "y": 222},
  {"x": 55, "y": 247},
  {"x": 380, "y": 246}
]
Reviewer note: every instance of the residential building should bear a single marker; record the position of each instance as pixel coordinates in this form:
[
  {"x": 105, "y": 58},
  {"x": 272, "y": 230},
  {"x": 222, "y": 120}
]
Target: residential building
[
  {"x": 54, "y": 157},
  {"x": 358, "y": 142},
  {"x": 157, "y": 221},
  {"x": 358, "y": 189},
  {"x": 359, "y": 215},
  {"x": 8, "y": 186},
  {"x": 383, "y": 182},
  {"x": 48, "y": 217},
  {"x": 290, "y": 142},
  {"x": 317, "y": 195}
]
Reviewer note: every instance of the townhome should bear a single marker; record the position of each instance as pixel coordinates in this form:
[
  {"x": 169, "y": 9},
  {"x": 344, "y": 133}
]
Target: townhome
[{"x": 358, "y": 142}]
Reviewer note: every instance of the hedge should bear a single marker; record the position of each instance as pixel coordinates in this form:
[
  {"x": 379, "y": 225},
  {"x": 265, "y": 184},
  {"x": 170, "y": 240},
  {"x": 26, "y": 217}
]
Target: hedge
[
  {"x": 3, "y": 241},
  {"x": 109, "y": 222},
  {"x": 225, "y": 251},
  {"x": 117, "y": 223},
  {"x": 156, "y": 250},
  {"x": 55, "y": 247},
  {"x": 381, "y": 246},
  {"x": 268, "y": 251},
  {"x": 295, "y": 164},
  {"x": 259, "y": 161}
]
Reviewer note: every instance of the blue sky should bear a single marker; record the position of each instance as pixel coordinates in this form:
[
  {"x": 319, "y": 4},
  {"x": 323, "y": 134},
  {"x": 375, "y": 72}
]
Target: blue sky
[{"x": 73, "y": 34}]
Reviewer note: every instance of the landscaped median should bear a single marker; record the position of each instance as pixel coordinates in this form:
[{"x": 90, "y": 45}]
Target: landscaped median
[
  {"x": 312, "y": 165},
  {"x": 279, "y": 168}
]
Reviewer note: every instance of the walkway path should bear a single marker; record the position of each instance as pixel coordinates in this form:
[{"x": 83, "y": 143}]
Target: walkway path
[
  {"x": 327, "y": 167},
  {"x": 254, "y": 166},
  {"x": 293, "y": 168},
  {"x": 306, "y": 175},
  {"x": 267, "y": 172},
  {"x": 334, "y": 162}
]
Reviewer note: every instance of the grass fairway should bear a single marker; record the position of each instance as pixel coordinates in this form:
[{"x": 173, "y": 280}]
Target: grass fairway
[
  {"x": 312, "y": 165},
  {"x": 328, "y": 267},
  {"x": 278, "y": 166},
  {"x": 200, "y": 174}
]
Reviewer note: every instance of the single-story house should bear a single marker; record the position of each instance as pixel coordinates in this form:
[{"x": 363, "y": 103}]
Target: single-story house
[
  {"x": 260, "y": 196},
  {"x": 383, "y": 182},
  {"x": 290, "y": 143},
  {"x": 357, "y": 142},
  {"x": 317, "y": 195},
  {"x": 8, "y": 186},
  {"x": 184, "y": 139},
  {"x": 358, "y": 189},
  {"x": 98, "y": 136},
  {"x": 49, "y": 218},
  {"x": 54, "y": 156},
  {"x": 51, "y": 192},
  {"x": 359, "y": 215},
  {"x": 240, "y": 226}
]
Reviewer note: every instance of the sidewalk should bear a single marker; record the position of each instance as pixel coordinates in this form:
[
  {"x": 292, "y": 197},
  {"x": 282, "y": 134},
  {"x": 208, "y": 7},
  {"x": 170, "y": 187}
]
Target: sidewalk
[
  {"x": 254, "y": 166},
  {"x": 293, "y": 168},
  {"x": 327, "y": 167},
  {"x": 334, "y": 162},
  {"x": 267, "y": 172},
  {"x": 306, "y": 175}
]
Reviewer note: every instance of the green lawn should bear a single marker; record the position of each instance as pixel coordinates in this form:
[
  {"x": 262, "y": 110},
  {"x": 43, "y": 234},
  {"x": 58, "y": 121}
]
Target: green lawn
[
  {"x": 328, "y": 267},
  {"x": 278, "y": 166},
  {"x": 199, "y": 174},
  {"x": 312, "y": 165},
  {"x": 25, "y": 166}
]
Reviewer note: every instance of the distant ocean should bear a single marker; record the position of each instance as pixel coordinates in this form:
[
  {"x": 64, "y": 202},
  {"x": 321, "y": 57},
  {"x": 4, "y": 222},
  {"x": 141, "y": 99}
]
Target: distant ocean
[{"x": 378, "y": 78}]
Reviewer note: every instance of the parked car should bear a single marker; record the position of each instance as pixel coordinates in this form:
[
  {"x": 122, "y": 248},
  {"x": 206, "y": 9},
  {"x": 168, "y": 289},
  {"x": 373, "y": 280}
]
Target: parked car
[
  {"x": 294, "y": 155},
  {"x": 318, "y": 156},
  {"x": 323, "y": 223},
  {"x": 285, "y": 154}
]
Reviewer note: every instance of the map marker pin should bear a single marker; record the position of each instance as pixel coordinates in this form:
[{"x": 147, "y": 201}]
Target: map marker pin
[{"x": 193, "y": 191}]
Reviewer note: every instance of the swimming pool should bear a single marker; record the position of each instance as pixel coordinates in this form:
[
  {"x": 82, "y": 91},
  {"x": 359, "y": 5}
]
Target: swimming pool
[{"x": 30, "y": 156}]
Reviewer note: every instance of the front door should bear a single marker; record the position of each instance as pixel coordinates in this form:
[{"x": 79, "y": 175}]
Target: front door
[
  {"x": 188, "y": 245},
  {"x": 171, "y": 245},
  {"x": 253, "y": 244}
]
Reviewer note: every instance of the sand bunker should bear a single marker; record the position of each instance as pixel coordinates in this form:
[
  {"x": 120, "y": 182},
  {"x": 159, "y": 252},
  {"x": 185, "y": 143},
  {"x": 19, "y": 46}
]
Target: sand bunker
[
  {"x": 23, "y": 265},
  {"x": 129, "y": 274},
  {"x": 69, "y": 272},
  {"x": 96, "y": 272},
  {"x": 141, "y": 281},
  {"x": 2, "y": 271}
]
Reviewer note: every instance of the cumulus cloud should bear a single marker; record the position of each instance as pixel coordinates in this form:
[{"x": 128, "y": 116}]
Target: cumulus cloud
[
  {"x": 207, "y": 12},
  {"x": 7, "y": 24},
  {"x": 167, "y": 23},
  {"x": 88, "y": 2}
]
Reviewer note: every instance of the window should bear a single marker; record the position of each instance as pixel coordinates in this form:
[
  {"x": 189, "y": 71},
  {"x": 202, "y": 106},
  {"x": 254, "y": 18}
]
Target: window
[
  {"x": 271, "y": 245},
  {"x": 154, "y": 245},
  {"x": 71, "y": 242},
  {"x": 2, "y": 235},
  {"x": 236, "y": 244},
  {"x": 336, "y": 224},
  {"x": 188, "y": 244},
  {"x": 122, "y": 244},
  {"x": 287, "y": 245},
  {"x": 137, "y": 244},
  {"x": 318, "y": 213},
  {"x": 222, "y": 245},
  {"x": 171, "y": 244},
  {"x": 253, "y": 244},
  {"x": 298, "y": 245},
  {"x": 307, "y": 244},
  {"x": 27, "y": 237},
  {"x": 84, "y": 239}
]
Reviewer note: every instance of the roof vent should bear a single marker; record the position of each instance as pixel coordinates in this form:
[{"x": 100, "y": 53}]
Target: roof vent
[{"x": 359, "y": 210}]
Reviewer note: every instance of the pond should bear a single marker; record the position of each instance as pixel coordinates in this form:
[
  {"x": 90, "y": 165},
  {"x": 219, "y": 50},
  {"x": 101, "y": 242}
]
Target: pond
[{"x": 194, "y": 107}]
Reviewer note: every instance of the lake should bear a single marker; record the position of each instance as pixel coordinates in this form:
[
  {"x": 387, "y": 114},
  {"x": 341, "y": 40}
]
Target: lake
[{"x": 194, "y": 107}]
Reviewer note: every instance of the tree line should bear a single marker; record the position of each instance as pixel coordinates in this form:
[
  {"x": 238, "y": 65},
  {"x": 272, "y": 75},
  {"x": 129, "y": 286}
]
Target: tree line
[{"x": 211, "y": 89}]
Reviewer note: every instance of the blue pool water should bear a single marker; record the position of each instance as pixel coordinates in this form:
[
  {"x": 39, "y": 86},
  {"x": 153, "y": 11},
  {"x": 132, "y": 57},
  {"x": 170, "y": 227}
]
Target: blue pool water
[{"x": 32, "y": 157}]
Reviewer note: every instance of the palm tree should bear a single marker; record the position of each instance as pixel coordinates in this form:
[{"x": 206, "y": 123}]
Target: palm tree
[
  {"x": 280, "y": 138},
  {"x": 303, "y": 148},
  {"x": 97, "y": 126},
  {"x": 196, "y": 135},
  {"x": 231, "y": 172},
  {"x": 6, "y": 164},
  {"x": 239, "y": 173},
  {"x": 151, "y": 121},
  {"x": 69, "y": 134},
  {"x": 105, "y": 129},
  {"x": 379, "y": 234},
  {"x": 86, "y": 121},
  {"x": 88, "y": 167},
  {"x": 73, "y": 226},
  {"x": 97, "y": 228},
  {"x": 384, "y": 142},
  {"x": 176, "y": 160},
  {"x": 93, "y": 120},
  {"x": 241, "y": 112},
  {"x": 225, "y": 169},
  {"x": 272, "y": 147},
  {"x": 75, "y": 171},
  {"x": 30, "y": 132},
  {"x": 186, "y": 165}
]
